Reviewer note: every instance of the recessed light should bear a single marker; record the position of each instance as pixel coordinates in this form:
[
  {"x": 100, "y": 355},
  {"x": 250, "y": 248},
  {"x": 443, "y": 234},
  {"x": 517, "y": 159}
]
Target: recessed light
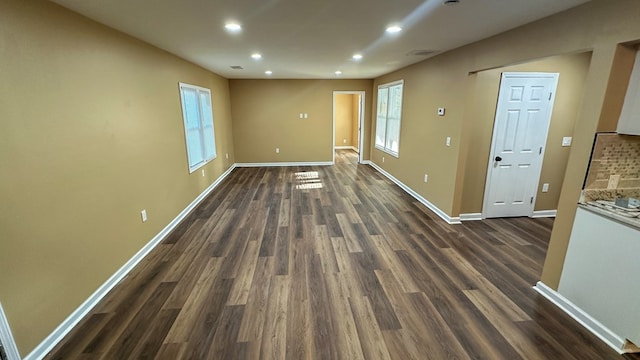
[
  {"x": 394, "y": 29},
  {"x": 233, "y": 27},
  {"x": 268, "y": 72},
  {"x": 357, "y": 57},
  {"x": 256, "y": 56},
  {"x": 338, "y": 72}
]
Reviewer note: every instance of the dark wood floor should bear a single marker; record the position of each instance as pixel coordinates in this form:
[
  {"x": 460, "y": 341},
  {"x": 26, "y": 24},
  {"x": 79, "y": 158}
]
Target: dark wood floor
[{"x": 332, "y": 263}]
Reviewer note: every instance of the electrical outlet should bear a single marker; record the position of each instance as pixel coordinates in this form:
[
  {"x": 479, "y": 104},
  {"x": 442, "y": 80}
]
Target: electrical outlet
[
  {"x": 226, "y": 156},
  {"x": 426, "y": 177},
  {"x": 566, "y": 141},
  {"x": 344, "y": 141},
  {"x": 448, "y": 141},
  {"x": 383, "y": 159},
  {"x": 545, "y": 187},
  {"x": 301, "y": 116},
  {"x": 277, "y": 150},
  {"x": 441, "y": 111},
  {"x": 202, "y": 172},
  {"x": 306, "y": 115},
  {"x": 143, "y": 214}
]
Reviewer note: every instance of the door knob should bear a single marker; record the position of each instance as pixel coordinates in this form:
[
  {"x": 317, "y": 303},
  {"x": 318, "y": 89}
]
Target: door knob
[{"x": 498, "y": 158}]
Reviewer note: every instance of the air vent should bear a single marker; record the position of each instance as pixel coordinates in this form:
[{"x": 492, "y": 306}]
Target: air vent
[
  {"x": 421, "y": 52},
  {"x": 237, "y": 67}
]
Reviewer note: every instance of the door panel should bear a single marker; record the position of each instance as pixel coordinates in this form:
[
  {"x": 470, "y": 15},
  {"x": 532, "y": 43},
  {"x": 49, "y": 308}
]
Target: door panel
[{"x": 520, "y": 132}]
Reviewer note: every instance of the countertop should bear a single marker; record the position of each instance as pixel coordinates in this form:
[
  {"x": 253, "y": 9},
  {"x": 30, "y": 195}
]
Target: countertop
[{"x": 632, "y": 222}]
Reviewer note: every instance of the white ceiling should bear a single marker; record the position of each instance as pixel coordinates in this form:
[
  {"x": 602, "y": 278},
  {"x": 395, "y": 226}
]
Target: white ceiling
[{"x": 306, "y": 39}]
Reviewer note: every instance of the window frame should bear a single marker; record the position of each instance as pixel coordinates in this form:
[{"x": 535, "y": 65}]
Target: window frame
[
  {"x": 196, "y": 162},
  {"x": 384, "y": 147}
]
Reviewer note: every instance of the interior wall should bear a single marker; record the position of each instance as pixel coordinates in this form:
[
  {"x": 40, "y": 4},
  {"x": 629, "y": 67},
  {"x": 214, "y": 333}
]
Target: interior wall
[
  {"x": 573, "y": 70},
  {"x": 266, "y": 116},
  {"x": 91, "y": 134},
  {"x": 444, "y": 81},
  {"x": 344, "y": 119},
  {"x": 355, "y": 122}
]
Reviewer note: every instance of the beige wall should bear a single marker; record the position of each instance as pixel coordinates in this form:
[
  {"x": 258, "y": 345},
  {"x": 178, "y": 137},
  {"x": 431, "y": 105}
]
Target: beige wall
[
  {"x": 572, "y": 69},
  {"x": 355, "y": 122},
  {"x": 444, "y": 81},
  {"x": 90, "y": 134},
  {"x": 266, "y": 116},
  {"x": 344, "y": 119}
]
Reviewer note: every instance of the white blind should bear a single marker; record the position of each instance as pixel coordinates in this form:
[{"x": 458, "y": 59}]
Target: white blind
[
  {"x": 388, "y": 117},
  {"x": 197, "y": 114}
]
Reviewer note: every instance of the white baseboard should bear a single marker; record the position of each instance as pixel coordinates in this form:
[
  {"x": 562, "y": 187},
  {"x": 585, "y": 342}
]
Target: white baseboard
[
  {"x": 6, "y": 337},
  {"x": 72, "y": 320},
  {"x": 471, "y": 217},
  {"x": 594, "y": 326},
  {"x": 425, "y": 202},
  {"x": 311, "y": 163},
  {"x": 346, "y": 148},
  {"x": 544, "y": 213}
]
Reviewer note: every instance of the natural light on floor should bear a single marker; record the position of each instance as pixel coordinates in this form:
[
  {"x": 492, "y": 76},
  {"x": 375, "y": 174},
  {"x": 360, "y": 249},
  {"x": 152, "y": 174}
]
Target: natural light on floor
[{"x": 308, "y": 180}]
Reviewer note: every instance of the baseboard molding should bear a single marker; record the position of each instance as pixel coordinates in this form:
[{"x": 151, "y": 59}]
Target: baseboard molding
[
  {"x": 425, "y": 202},
  {"x": 471, "y": 217},
  {"x": 6, "y": 337},
  {"x": 72, "y": 320},
  {"x": 544, "y": 213},
  {"x": 311, "y": 163},
  {"x": 346, "y": 148},
  {"x": 594, "y": 326}
]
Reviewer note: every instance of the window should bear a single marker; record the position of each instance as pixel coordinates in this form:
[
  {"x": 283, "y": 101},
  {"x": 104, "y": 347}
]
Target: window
[
  {"x": 388, "y": 117},
  {"x": 197, "y": 113}
]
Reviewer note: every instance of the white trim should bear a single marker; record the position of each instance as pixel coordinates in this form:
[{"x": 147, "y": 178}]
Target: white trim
[
  {"x": 544, "y": 213},
  {"x": 449, "y": 219},
  {"x": 361, "y": 106},
  {"x": 72, "y": 320},
  {"x": 6, "y": 337},
  {"x": 587, "y": 321},
  {"x": 471, "y": 217},
  {"x": 310, "y": 163},
  {"x": 346, "y": 148}
]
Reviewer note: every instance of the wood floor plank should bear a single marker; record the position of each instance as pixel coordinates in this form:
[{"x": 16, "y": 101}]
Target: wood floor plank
[
  {"x": 333, "y": 262},
  {"x": 274, "y": 338}
]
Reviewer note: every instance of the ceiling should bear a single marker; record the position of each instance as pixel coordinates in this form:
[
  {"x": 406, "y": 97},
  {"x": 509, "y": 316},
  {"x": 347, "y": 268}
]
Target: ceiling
[{"x": 310, "y": 39}]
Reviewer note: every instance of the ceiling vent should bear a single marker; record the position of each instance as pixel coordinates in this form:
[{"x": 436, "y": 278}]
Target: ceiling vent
[
  {"x": 237, "y": 67},
  {"x": 422, "y": 52}
]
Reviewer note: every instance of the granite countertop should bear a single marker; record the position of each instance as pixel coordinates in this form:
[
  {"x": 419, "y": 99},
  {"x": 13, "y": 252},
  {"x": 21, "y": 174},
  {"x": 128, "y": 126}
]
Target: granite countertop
[{"x": 630, "y": 221}]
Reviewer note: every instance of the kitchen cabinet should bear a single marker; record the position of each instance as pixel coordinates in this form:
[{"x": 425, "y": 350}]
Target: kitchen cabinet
[
  {"x": 600, "y": 273},
  {"x": 629, "y": 122}
]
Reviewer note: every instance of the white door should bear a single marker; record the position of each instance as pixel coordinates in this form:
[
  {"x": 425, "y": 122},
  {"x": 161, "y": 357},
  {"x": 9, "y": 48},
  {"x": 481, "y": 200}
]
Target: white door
[{"x": 520, "y": 131}]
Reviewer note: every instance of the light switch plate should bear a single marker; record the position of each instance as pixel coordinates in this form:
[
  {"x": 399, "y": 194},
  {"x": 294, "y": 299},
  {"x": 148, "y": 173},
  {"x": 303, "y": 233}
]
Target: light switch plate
[{"x": 566, "y": 141}]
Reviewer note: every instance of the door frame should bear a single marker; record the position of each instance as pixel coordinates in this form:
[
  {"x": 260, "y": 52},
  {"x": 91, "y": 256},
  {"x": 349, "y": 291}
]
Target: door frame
[
  {"x": 6, "y": 337},
  {"x": 361, "y": 105},
  {"x": 554, "y": 89}
]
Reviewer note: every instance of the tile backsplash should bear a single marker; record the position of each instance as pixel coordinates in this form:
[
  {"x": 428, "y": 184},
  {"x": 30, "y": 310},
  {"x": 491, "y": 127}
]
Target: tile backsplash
[{"x": 614, "y": 171}]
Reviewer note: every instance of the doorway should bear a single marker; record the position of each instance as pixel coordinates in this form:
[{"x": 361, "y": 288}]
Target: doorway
[
  {"x": 522, "y": 119},
  {"x": 348, "y": 121}
]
